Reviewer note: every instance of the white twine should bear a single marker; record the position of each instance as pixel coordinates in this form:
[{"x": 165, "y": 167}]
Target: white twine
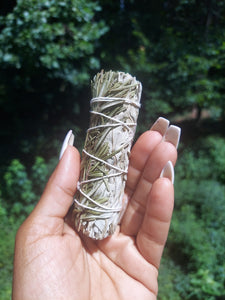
[
  {"x": 116, "y": 99},
  {"x": 96, "y": 203},
  {"x": 105, "y": 162},
  {"x": 111, "y": 118},
  {"x": 100, "y": 178},
  {"x": 102, "y": 208},
  {"x": 111, "y": 125},
  {"x": 97, "y": 209}
]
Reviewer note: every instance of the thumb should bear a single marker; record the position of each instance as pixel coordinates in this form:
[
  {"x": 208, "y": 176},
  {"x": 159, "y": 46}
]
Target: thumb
[{"x": 60, "y": 189}]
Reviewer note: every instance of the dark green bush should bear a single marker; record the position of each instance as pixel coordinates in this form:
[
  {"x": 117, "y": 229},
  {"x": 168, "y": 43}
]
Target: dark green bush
[
  {"x": 19, "y": 192},
  {"x": 196, "y": 241},
  {"x": 57, "y": 37},
  {"x": 21, "y": 188},
  {"x": 8, "y": 228}
]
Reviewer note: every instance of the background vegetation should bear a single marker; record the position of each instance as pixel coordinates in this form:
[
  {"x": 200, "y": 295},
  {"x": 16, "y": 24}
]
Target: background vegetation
[{"x": 49, "y": 51}]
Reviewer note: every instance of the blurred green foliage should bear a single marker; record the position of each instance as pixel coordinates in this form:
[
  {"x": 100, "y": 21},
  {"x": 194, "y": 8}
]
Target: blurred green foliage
[
  {"x": 176, "y": 49},
  {"x": 196, "y": 241},
  {"x": 20, "y": 190},
  {"x": 49, "y": 51},
  {"x": 51, "y": 36},
  {"x": 46, "y": 55},
  {"x": 7, "y": 236}
]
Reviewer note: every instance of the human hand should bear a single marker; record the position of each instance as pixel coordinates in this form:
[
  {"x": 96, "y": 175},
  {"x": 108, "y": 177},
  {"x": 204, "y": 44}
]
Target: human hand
[{"x": 52, "y": 261}]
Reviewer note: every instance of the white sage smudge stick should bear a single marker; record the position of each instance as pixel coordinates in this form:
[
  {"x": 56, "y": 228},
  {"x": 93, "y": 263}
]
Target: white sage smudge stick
[{"x": 114, "y": 111}]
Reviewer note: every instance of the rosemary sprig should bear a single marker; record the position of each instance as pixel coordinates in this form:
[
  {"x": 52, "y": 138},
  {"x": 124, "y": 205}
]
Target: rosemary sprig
[{"x": 98, "y": 200}]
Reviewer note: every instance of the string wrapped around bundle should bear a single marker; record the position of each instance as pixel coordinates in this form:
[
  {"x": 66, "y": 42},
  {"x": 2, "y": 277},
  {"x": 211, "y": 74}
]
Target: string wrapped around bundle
[{"x": 105, "y": 157}]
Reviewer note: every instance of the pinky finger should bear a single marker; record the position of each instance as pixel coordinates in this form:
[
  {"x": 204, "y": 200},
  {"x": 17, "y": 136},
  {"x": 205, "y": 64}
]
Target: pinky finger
[{"x": 153, "y": 233}]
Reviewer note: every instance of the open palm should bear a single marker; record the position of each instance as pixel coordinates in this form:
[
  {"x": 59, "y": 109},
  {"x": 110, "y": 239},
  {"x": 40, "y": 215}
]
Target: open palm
[{"x": 52, "y": 261}]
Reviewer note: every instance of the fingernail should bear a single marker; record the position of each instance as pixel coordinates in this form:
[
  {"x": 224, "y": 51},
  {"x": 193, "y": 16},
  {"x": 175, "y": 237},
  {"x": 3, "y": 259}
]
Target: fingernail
[
  {"x": 69, "y": 139},
  {"x": 160, "y": 125},
  {"x": 173, "y": 135},
  {"x": 168, "y": 171}
]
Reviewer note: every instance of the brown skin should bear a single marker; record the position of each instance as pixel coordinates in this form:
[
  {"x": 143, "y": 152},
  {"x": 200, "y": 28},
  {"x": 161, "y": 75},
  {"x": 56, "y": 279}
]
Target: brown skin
[{"x": 52, "y": 261}]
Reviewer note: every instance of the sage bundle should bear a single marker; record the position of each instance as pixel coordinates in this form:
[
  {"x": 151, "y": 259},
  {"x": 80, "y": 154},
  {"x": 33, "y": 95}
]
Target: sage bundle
[{"x": 105, "y": 157}]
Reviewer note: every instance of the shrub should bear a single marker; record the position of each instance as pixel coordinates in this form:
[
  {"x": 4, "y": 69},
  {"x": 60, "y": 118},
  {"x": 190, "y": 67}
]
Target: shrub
[
  {"x": 22, "y": 188},
  {"x": 196, "y": 240},
  {"x": 19, "y": 192}
]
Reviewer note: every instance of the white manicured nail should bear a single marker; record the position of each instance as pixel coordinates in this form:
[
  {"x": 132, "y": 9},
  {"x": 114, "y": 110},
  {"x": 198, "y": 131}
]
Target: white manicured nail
[
  {"x": 173, "y": 135},
  {"x": 69, "y": 139},
  {"x": 160, "y": 125},
  {"x": 168, "y": 171}
]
